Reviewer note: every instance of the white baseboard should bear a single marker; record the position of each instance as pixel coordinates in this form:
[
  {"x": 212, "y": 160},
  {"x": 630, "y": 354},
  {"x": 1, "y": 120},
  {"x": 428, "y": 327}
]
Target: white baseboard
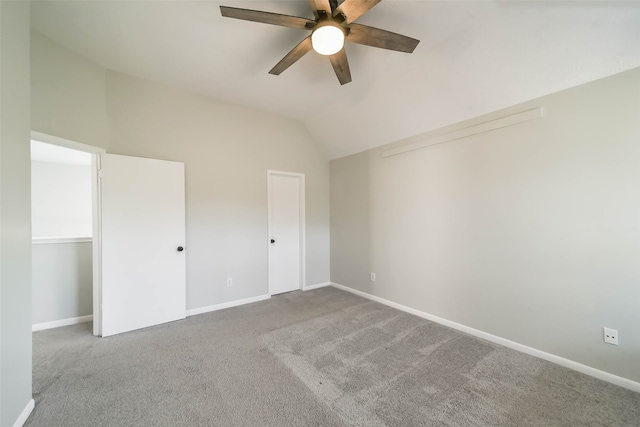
[
  {"x": 316, "y": 286},
  {"x": 25, "y": 414},
  {"x": 59, "y": 323},
  {"x": 602, "y": 375},
  {"x": 224, "y": 305}
]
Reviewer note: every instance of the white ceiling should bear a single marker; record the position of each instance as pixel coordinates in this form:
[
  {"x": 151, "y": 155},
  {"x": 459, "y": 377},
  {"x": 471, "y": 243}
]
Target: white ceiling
[{"x": 474, "y": 57}]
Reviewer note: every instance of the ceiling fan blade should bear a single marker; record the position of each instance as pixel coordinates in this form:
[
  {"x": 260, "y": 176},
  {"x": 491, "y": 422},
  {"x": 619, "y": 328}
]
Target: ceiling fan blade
[
  {"x": 341, "y": 66},
  {"x": 296, "y": 53},
  {"x": 317, "y": 5},
  {"x": 354, "y": 9},
  {"x": 268, "y": 18},
  {"x": 376, "y": 37}
]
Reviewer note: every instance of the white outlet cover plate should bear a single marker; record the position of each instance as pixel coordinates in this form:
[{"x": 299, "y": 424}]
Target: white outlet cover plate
[{"x": 610, "y": 336}]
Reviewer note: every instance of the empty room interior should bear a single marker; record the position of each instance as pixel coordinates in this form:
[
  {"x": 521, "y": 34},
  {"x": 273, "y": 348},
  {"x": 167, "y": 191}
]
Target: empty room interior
[{"x": 319, "y": 213}]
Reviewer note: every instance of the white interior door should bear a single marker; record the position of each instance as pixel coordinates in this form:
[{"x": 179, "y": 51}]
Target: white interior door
[
  {"x": 286, "y": 231},
  {"x": 143, "y": 235}
]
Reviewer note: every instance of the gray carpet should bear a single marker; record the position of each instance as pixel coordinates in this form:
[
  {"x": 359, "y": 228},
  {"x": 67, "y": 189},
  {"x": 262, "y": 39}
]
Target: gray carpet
[{"x": 319, "y": 358}]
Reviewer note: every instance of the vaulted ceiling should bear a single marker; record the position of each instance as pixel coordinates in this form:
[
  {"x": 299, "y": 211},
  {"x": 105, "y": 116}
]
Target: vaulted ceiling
[{"x": 474, "y": 57}]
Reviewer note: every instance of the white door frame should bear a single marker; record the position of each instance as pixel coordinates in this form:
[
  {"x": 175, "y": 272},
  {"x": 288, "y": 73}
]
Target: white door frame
[
  {"x": 303, "y": 257},
  {"x": 96, "y": 238}
]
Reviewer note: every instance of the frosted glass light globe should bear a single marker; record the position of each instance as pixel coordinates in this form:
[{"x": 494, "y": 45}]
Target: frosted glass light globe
[{"x": 327, "y": 39}]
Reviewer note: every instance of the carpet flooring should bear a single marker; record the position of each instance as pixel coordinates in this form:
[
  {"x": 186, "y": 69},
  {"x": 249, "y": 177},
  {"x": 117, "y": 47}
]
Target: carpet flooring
[{"x": 318, "y": 358}]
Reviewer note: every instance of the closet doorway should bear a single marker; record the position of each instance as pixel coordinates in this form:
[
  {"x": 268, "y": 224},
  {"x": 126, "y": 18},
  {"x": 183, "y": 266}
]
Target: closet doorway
[
  {"x": 123, "y": 220},
  {"x": 63, "y": 187}
]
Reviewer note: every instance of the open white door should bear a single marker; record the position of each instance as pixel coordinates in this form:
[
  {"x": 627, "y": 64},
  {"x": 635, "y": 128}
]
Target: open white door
[{"x": 143, "y": 234}]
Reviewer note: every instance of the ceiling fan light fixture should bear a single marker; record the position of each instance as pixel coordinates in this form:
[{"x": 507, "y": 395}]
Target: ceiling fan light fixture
[
  {"x": 333, "y": 23},
  {"x": 327, "y": 39}
]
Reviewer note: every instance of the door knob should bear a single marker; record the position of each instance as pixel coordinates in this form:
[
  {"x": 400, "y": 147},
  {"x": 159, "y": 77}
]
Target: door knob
[
  {"x": 180, "y": 249},
  {"x": 273, "y": 241}
]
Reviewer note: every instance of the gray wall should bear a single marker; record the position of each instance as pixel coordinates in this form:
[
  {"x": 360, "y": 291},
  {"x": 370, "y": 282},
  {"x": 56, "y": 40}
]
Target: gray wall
[
  {"x": 61, "y": 206},
  {"x": 68, "y": 94},
  {"x": 227, "y": 150},
  {"x": 62, "y": 281},
  {"x": 15, "y": 213},
  {"x": 529, "y": 232}
]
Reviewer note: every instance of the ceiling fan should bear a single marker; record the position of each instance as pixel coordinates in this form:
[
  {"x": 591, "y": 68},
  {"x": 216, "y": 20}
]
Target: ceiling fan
[{"x": 333, "y": 25}]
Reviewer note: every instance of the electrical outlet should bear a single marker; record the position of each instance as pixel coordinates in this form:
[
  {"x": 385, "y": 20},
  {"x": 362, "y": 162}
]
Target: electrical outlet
[
  {"x": 610, "y": 336},
  {"x": 373, "y": 277},
  {"x": 229, "y": 282}
]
